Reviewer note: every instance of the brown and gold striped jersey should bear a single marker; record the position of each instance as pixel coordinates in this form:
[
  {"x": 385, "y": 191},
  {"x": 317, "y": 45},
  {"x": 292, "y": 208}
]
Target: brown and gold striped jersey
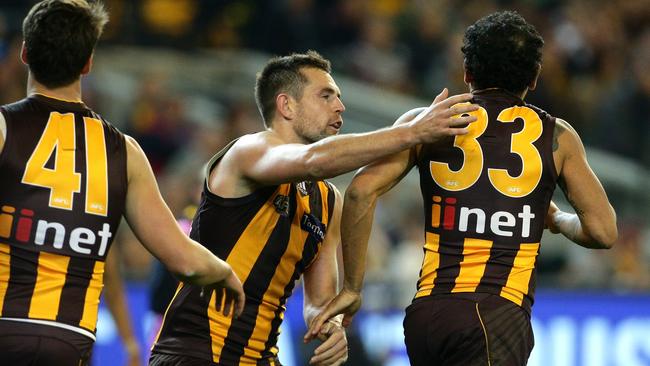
[
  {"x": 62, "y": 193},
  {"x": 485, "y": 199},
  {"x": 270, "y": 238}
]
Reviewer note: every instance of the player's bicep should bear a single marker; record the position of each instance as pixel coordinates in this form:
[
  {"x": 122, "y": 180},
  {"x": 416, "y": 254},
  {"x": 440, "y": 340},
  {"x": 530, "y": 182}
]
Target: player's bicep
[
  {"x": 268, "y": 161},
  {"x": 581, "y": 187},
  {"x": 147, "y": 214},
  {"x": 321, "y": 277}
]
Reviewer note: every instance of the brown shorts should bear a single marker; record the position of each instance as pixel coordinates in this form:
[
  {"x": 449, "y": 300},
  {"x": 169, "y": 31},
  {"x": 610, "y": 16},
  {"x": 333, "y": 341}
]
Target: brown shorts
[
  {"x": 164, "y": 359},
  {"x": 23, "y": 344},
  {"x": 467, "y": 329}
]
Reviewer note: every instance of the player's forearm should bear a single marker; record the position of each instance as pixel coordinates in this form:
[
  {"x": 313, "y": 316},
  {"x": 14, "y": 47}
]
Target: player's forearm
[
  {"x": 587, "y": 231},
  {"x": 310, "y": 311},
  {"x": 340, "y": 154},
  {"x": 600, "y": 228},
  {"x": 356, "y": 224},
  {"x": 200, "y": 267}
]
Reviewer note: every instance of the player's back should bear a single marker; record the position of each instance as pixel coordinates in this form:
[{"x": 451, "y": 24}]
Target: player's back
[
  {"x": 485, "y": 198},
  {"x": 62, "y": 195}
]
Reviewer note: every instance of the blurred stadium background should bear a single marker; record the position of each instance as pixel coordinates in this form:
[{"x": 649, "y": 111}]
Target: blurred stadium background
[{"x": 178, "y": 75}]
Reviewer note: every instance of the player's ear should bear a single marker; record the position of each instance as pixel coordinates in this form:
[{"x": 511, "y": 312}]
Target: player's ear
[
  {"x": 285, "y": 106},
  {"x": 23, "y": 54},
  {"x": 88, "y": 65},
  {"x": 467, "y": 77},
  {"x": 533, "y": 83}
]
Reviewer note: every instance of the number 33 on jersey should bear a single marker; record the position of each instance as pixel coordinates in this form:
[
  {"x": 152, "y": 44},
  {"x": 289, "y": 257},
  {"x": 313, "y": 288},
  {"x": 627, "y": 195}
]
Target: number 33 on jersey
[{"x": 521, "y": 144}]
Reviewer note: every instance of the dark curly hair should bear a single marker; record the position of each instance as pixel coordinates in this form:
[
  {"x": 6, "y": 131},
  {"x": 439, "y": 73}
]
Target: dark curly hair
[
  {"x": 60, "y": 36},
  {"x": 503, "y": 51},
  {"x": 282, "y": 75}
]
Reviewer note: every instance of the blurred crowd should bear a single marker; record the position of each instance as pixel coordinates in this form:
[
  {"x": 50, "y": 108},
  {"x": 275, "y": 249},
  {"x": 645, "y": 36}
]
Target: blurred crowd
[{"x": 596, "y": 75}]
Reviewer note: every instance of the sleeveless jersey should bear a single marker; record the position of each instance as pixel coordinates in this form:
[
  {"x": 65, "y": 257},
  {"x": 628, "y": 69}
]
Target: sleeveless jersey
[
  {"x": 270, "y": 238},
  {"x": 62, "y": 191},
  {"x": 485, "y": 198}
]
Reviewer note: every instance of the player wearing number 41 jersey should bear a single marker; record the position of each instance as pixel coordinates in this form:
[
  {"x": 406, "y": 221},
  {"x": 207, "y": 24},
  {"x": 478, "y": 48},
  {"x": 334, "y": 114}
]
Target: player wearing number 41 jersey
[
  {"x": 487, "y": 199},
  {"x": 66, "y": 179}
]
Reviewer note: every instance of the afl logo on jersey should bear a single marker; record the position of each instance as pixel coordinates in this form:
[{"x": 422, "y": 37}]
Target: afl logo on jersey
[{"x": 281, "y": 203}]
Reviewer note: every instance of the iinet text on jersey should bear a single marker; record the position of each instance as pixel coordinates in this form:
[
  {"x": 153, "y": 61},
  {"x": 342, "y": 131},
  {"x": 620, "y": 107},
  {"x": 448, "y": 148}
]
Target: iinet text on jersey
[
  {"x": 501, "y": 222},
  {"x": 18, "y": 225}
]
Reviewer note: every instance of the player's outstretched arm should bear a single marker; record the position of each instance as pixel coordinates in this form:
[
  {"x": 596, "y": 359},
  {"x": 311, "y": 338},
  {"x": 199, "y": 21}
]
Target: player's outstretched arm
[
  {"x": 368, "y": 184},
  {"x": 320, "y": 284},
  {"x": 154, "y": 225},
  {"x": 271, "y": 163},
  {"x": 594, "y": 223}
]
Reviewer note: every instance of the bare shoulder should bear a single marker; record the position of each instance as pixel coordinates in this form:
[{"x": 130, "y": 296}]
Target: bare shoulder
[
  {"x": 231, "y": 176},
  {"x": 134, "y": 152},
  {"x": 565, "y": 137},
  {"x": 136, "y": 159},
  {"x": 249, "y": 146}
]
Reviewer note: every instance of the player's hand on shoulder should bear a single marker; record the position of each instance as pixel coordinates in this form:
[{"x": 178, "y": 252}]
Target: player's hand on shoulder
[
  {"x": 444, "y": 117},
  {"x": 334, "y": 349}
]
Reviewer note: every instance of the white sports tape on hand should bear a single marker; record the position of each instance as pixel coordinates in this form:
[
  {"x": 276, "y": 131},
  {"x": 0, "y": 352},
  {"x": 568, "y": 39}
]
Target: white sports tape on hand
[{"x": 569, "y": 224}]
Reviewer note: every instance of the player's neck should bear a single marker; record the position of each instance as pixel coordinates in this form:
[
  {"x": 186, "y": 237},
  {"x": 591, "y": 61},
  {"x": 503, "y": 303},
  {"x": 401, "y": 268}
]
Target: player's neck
[
  {"x": 287, "y": 132},
  {"x": 521, "y": 95},
  {"x": 69, "y": 93}
]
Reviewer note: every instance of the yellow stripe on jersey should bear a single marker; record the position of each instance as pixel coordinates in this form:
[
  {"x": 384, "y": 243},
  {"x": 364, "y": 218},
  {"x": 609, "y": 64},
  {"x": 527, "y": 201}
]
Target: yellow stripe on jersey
[
  {"x": 430, "y": 264},
  {"x": 5, "y": 260},
  {"x": 242, "y": 258},
  {"x": 51, "y": 275},
  {"x": 91, "y": 302},
  {"x": 275, "y": 291},
  {"x": 96, "y": 168},
  {"x": 522, "y": 269},
  {"x": 282, "y": 276},
  {"x": 476, "y": 253},
  {"x": 324, "y": 194}
]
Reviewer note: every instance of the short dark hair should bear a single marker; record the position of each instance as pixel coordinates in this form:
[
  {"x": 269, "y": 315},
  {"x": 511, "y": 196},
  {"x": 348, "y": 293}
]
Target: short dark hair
[
  {"x": 502, "y": 50},
  {"x": 60, "y": 36},
  {"x": 283, "y": 75}
]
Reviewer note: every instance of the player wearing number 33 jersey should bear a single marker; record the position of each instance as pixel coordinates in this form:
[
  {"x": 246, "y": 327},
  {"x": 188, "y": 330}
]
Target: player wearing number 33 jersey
[{"x": 487, "y": 199}]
